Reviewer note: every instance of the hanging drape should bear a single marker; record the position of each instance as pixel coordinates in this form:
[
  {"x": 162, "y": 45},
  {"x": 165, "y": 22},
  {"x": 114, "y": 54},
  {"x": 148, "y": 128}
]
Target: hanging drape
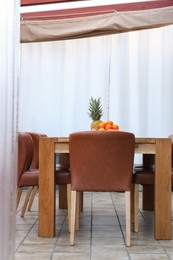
[{"x": 9, "y": 72}]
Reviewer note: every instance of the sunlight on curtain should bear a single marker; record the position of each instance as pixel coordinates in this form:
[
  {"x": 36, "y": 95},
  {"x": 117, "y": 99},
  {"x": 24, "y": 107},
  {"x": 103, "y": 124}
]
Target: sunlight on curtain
[
  {"x": 9, "y": 50},
  {"x": 57, "y": 80},
  {"x": 131, "y": 72},
  {"x": 141, "y": 99}
]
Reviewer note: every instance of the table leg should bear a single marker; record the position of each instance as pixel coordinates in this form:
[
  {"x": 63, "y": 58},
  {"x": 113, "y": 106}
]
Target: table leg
[
  {"x": 63, "y": 196},
  {"x": 46, "y": 220},
  {"x": 63, "y": 160},
  {"x": 162, "y": 216},
  {"x": 148, "y": 191},
  {"x": 148, "y": 197}
]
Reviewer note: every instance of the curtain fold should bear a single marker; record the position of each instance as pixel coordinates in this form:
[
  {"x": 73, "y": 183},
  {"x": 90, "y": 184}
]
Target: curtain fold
[
  {"x": 88, "y": 26},
  {"x": 141, "y": 81},
  {"x": 9, "y": 73}
]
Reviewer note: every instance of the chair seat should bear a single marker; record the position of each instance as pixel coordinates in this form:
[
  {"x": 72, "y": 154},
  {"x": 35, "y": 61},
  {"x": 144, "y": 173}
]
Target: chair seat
[
  {"x": 144, "y": 177},
  {"x": 62, "y": 176},
  {"x": 29, "y": 178}
]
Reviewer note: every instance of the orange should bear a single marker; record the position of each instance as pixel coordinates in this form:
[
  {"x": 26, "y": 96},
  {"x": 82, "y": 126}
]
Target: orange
[
  {"x": 102, "y": 125},
  {"x": 108, "y": 126},
  {"x": 109, "y": 122},
  {"x": 115, "y": 127}
]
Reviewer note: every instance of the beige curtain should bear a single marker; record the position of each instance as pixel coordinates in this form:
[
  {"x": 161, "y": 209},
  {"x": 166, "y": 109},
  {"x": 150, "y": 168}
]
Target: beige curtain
[{"x": 112, "y": 23}]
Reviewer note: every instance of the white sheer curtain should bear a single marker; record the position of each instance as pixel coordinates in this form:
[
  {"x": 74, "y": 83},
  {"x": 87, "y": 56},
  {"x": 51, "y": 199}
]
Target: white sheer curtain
[
  {"x": 142, "y": 82},
  {"x": 9, "y": 58},
  {"x": 131, "y": 72},
  {"x": 57, "y": 80}
]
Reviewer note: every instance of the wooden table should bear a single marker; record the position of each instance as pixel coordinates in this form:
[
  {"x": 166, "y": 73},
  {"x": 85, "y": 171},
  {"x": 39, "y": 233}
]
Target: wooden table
[{"x": 159, "y": 147}]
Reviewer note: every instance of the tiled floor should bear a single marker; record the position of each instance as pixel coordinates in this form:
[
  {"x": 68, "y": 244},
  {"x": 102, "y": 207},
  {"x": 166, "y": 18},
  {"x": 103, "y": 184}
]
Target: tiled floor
[{"x": 101, "y": 235}]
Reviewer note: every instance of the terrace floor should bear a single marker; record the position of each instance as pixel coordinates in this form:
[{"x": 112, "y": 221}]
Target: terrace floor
[{"x": 101, "y": 235}]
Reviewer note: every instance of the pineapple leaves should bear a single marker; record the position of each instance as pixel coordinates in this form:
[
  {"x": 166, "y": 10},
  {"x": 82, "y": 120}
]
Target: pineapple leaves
[{"x": 95, "y": 110}]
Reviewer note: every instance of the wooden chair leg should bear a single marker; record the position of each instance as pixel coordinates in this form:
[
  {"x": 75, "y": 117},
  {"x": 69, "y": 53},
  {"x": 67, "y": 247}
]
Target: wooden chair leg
[
  {"x": 69, "y": 205},
  {"x": 132, "y": 204},
  {"x": 69, "y": 208},
  {"x": 32, "y": 197},
  {"x": 78, "y": 194},
  {"x": 136, "y": 207},
  {"x": 19, "y": 192},
  {"x": 26, "y": 201},
  {"x": 128, "y": 220},
  {"x": 73, "y": 216}
]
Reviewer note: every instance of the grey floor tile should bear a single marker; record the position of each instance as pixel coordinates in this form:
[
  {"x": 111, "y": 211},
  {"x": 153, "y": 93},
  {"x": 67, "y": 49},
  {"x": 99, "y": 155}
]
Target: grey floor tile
[
  {"x": 77, "y": 248},
  {"x": 169, "y": 249},
  {"x": 107, "y": 241},
  {"x": 32, "y": 256},
  {"x": 144, "y": 241},
  {"x": 143, "y": 249},
  {"x": 39, "y": 240},
  {"x": 107, "y": 233},
  {"x": 149, "y": 257},
  {"x": 36, "y": 248},
  {"x": 71, "y": 256},
  {"x": 109, "y": 252}
]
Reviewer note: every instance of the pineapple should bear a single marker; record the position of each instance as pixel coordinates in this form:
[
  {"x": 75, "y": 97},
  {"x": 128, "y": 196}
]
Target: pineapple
[{"x": 95, "y": 112}]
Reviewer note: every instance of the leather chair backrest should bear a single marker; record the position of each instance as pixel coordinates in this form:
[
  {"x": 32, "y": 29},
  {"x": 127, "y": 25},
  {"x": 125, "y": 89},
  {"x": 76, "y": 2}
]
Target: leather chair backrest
[
  {"x": 25, "y": 153},
  {"x": 101, "y": 160},
  {"x": 35, "y": 138}
]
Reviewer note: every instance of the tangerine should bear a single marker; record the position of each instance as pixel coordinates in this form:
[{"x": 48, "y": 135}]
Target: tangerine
[
  {"x": 108, "y": 126},
  {"x": 109, "y": 122},
  {"x": 115, "y": 127}
]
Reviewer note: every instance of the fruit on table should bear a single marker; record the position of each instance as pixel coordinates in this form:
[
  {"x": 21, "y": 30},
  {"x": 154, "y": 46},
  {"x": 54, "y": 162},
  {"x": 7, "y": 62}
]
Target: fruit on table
[
  {"x": 108, "y": 125},
  {"x": 95, "y": 112}
]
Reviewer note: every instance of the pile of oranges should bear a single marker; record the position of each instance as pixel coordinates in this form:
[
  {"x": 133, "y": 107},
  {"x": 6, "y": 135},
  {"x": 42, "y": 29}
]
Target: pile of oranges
[{"x": 108, "y": 125}]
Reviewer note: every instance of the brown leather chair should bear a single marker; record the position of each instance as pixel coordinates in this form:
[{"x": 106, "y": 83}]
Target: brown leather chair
[
  {"x": 62, "y": 172},
  {"x": 27, "y": 177},
  {"x": 101, "y": 161},
  {"x": 144, "y": 176},
  {"x": 28, "y": 168}
]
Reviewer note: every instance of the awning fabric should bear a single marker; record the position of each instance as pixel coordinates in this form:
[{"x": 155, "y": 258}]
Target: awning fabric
[{"x": 86, "y": 24}]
